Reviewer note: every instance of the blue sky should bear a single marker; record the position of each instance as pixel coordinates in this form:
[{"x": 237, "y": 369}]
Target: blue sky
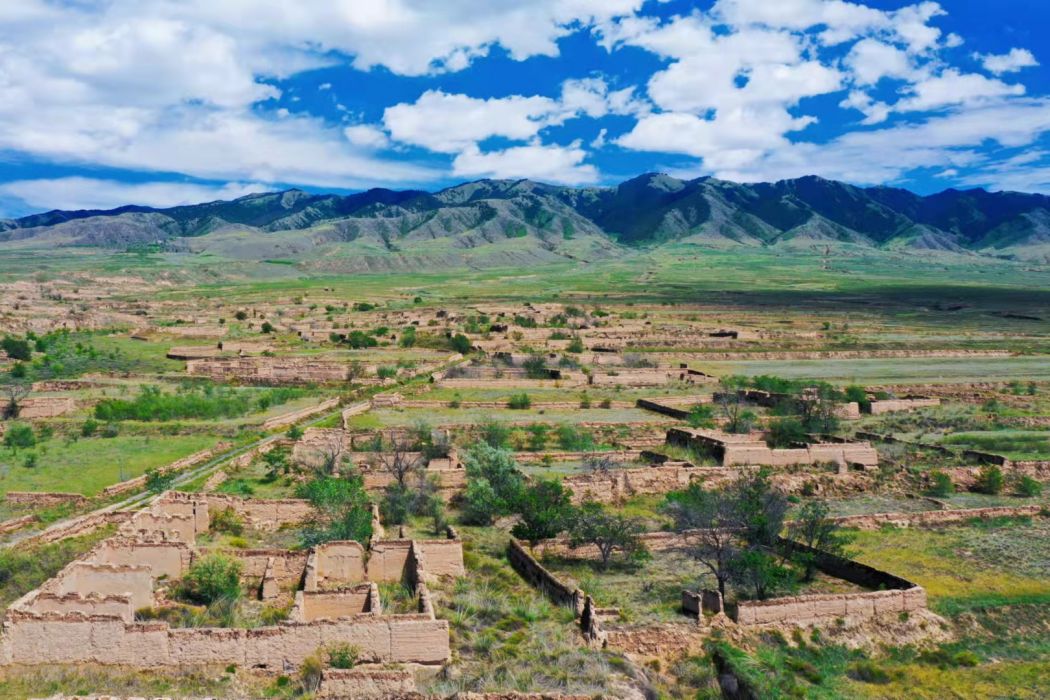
[{"x": 163, "y": 102}]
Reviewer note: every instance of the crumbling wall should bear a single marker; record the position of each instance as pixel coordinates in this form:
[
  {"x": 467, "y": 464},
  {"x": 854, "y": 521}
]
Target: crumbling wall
[
  {"x": 387, "y": 560},
  {"x": 106, "y": 579},
  {"x": 45, "y": 407},
  {"x": 539, "y": 577},
  {"x": 814, "y": 607},
  {"x": 40, "y": 499},
  {"x": 169, "y": 559},
  {"x": 338, "y": 563},
  {"x": 441, "y": 557},
  {"x": 881, "y": 406},
  {"x": 326, "y": 605}
]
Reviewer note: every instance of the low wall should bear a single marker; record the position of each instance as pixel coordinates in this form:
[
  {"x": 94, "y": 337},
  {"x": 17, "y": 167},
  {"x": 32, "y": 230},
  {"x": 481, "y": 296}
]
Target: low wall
[
  {"x": 45, "y": 407},
  {"x": 811, "y": 608},
  {"x": 296, "y": 416},
  {"x": 44, "y": 499},
  {"x": 441, "y": 557},
  {"x": 619, "y": 484},
  {"x": 936, "y": 517},
  {"x": 539, "y": 577},
  {"x": 169, "y": 559},
  {"x": 285, "y": 567},
  {"x": 109, "y": 640},
  {"x": 105, "y": 579},
  {"x": 367, "y": 683},
  {"x": 330, "y": 605},
  {"x": 335, "y": 564}
]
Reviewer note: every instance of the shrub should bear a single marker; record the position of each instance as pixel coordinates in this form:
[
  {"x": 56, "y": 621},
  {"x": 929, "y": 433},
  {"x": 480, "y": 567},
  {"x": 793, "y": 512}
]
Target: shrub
[
  {"x": 606, "y": 403},
  {"x": 519, "y": 401},
  {"x": 19, "y": 436},
  {"x": 396, "y": 504},
  {"x": 575, "y": 345},
  {"x": 227, "y": 520},
  {"x": 157, "y": 481},
  {"x": 495, "y": 434},
  {"x": 701, "y": 416},
  {"x": 110, "y": 430},
  {"x": 386, "y": 372},
  {"x": 783, "y": 432},
  {"x": 941, "y": 484},
  {"x": 585, "y": 401},
  {"x": 17, "y": 348},
  {"x": 460, "y": 343},
  {"x": 868, "y": 671},
  {"x": 989, "y": 480},
  {"x": 341, "y": 510},
  {"x": 1029, "y": 487},
  {"x": 608, "y": 532},
  {"x": 211, "y": 578},
  {"x": 267, "y": 327},
  {"x": 311, "y": 671},
  {"x": 536, "y": 367},
  {"x": 343, "y": 655},
  {"x": 89, "y": 428}
]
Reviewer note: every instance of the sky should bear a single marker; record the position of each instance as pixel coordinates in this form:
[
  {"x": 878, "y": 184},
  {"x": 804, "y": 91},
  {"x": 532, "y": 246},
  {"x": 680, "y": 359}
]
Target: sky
[{"x": 164, "y": 102}]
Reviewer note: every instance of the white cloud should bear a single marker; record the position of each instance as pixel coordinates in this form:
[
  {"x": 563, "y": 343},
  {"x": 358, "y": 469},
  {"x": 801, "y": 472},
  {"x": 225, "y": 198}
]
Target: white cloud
[
  {"x": 366, "y": 136},
  {"x": 72, "y": 193},
  {"x": 1007, "y": 63},
  {"x": 450, "y": 123},
  {"x": 871, "y": 60},
  {"x": 556, "y": 164},
  {"x": 954, "y": 88},
  {"x": 875, "y": 112}
]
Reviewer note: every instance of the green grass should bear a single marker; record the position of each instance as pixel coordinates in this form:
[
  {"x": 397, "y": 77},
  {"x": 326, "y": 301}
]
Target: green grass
[
  {"x": 88, "y": 465},
  {"x": 1015, "y": 444}
]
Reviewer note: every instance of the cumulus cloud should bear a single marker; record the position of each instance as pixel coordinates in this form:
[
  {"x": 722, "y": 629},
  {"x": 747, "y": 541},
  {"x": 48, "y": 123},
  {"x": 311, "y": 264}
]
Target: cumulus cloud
[
  {"x": 1010, "y": 62},
  {"x": 73, "y": 193},
  {"x": 558, "y": 164}
]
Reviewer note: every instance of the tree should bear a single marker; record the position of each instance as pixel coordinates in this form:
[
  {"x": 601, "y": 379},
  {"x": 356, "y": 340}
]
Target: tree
[
  {"x": 783, "y": 432},
  {"x": 341, "y": 509},
  {"x": 461, "y": 344},
  {"x": 823, "y": 401},
  {"x": 400, "y": 463},
  {"x": 329, "y": 451},
  {"x": 494, "y": 484},
  {"x": 746, "y": 515},
  {"x": 536, "y": 367},
  {"x": 813, "y": 528},
  {"x": 608, "y": 532},
  {"x": 17, "y": 348},
  {"x": 546, "y": 509},
  {"x": 294, "y": 433},
  {"x": 14, "y": 393},
  {"x": 19, "y": 436},
  {"x": 730, "y": 398},
  {"x": 276, "y": 463},
  {"x": 759, "y": 572},
  {"x": 990, "y": 480},
  {"x": 714, "y": 524},
  {"x": 941, "y": 484},
  {"x": 575, "y": 345},
  {"x": 267, "y": 327}
]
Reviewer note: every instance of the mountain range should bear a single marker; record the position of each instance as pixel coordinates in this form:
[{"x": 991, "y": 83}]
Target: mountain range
[{"x": 501, "y": 221}]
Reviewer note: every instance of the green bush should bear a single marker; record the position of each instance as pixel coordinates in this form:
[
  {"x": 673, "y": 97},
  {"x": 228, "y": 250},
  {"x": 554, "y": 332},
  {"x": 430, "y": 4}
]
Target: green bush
[
  {"x": 211, "y": 578},
  {"x": 941, "y": 484},
  {"x": 19, "y": 436},
  {"x": 546, "y": 510},
  {"x": 461, "y": 344},
  {"x": 343, "y": 655},
  {"x": 386, "y": 372},
  {"x": 341, "y": 510},
  {"x": 89, "y": 428},
  {"x": 519, "y": 401},
  {"x": 868, "y": 671},
  {"x": 575, "y": 345},
  {"x": 16, "y": 348},
  {"x": 1029, "y": 487},
  {"x": 784, "y": 432},
  {"x": 990, "y": 480},
  {"x": 227, "y": 520}
]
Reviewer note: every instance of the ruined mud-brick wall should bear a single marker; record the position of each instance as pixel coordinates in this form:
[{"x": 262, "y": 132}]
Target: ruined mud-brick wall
[
  {"x": 339, "y": 683},
  {"x": 17, "y": 523},
  {"x": 139, "y": 482},
  {"x": 935, "y": 517},
  {"x": 635, "y": 377},
  {"x": 619, "y": 484},
  {"x": 270, "y": 370},
  {"x": 655, "y": 641},
  {"x": 45, "y": 407},
  {"x": 734, "y": 450},
  {"x": 193, "y": 352},
  {"x": 879, "y": 407},
  {"x": 261, "y": 514},
  {"x": 539, "y": 577},
  {"x": 169, "y": 559},
  {"x": 296, "y": 416},
  {"x": 286, "y": 568},
  {"x": 40, "y": 639},
  {"x": 44, "y": 499}
]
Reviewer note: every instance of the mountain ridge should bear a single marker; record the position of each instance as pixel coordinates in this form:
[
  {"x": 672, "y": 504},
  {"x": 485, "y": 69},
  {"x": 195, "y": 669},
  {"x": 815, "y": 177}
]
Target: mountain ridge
[{"x": 650, "y": 209}]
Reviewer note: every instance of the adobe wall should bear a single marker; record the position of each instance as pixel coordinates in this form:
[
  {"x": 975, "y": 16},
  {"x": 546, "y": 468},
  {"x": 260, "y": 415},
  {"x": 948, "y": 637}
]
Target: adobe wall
[
  {"x": 329, "y": 605},
  {"x": 285, "y": 567},
  {"x": 440, "y": 557},
  {"x": 813, "y": 608},
  {"x": 619, "y": 484},
  {"x": 270, "y": 370},
  {"x": 935, "y": 517},
  {"x": 367, "y": 683},
  {"x": 105, "y": 579},
  {"x": 335, "y": 564},
  {"x": 149, "y": 524},
  {"x": 40, "y": 499},
  {"x": 169, "y": 559},
  {"x": 45, "y": 407},
  {"x": 106, "y": 640},
  {"x": 261, "y": 514},
  {"x": 387, "y": 560},
  {"x": 296, "y": 416},
  {"x": 539, "y": 577},
  {"x": 879, "y": 407},
  {"x": 41, "y": 603}
]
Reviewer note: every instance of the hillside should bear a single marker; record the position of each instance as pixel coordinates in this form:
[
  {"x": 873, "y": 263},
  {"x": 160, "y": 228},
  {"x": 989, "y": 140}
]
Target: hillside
[{"x": 520, "y": 221}]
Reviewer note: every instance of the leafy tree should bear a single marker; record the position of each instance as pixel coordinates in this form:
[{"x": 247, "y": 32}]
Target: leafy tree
[
  {"x": 294, "y": 433},
  {"x": 494, "y": 484},
  {"x": 495, "y": 434},
  {"x": 859, "y": 395},
  {"x": 14, "y": 391},
  {"x": 212, "y": 578},
  {"x": 17, "y": 348},
  {"x": 396, "y": 504},
  {"x": 360, "y": 339},
  {"x": 546, "y": 510},
  {"x": 19, "y": 436},
  {"x": 759, "y": 572},
  {"x": 813, "y": 528},
  {"x": 575, "y": 345},
  {"x": 341, "y": 509},
  {"x": 267, "y": 327},
  {"x": 609, "y": 532},
  {"x": 990, "y": 480},
  {"x": 461, "y": 344},
  {"x": 277, "y": 463},
  {"x": 408, "y": 337},
  {"x": 89, "y": 428},
  {"x": 731, "y": 401},
  {"x": 783, "y": 432},
  {"x": 241, "y": 315}
]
